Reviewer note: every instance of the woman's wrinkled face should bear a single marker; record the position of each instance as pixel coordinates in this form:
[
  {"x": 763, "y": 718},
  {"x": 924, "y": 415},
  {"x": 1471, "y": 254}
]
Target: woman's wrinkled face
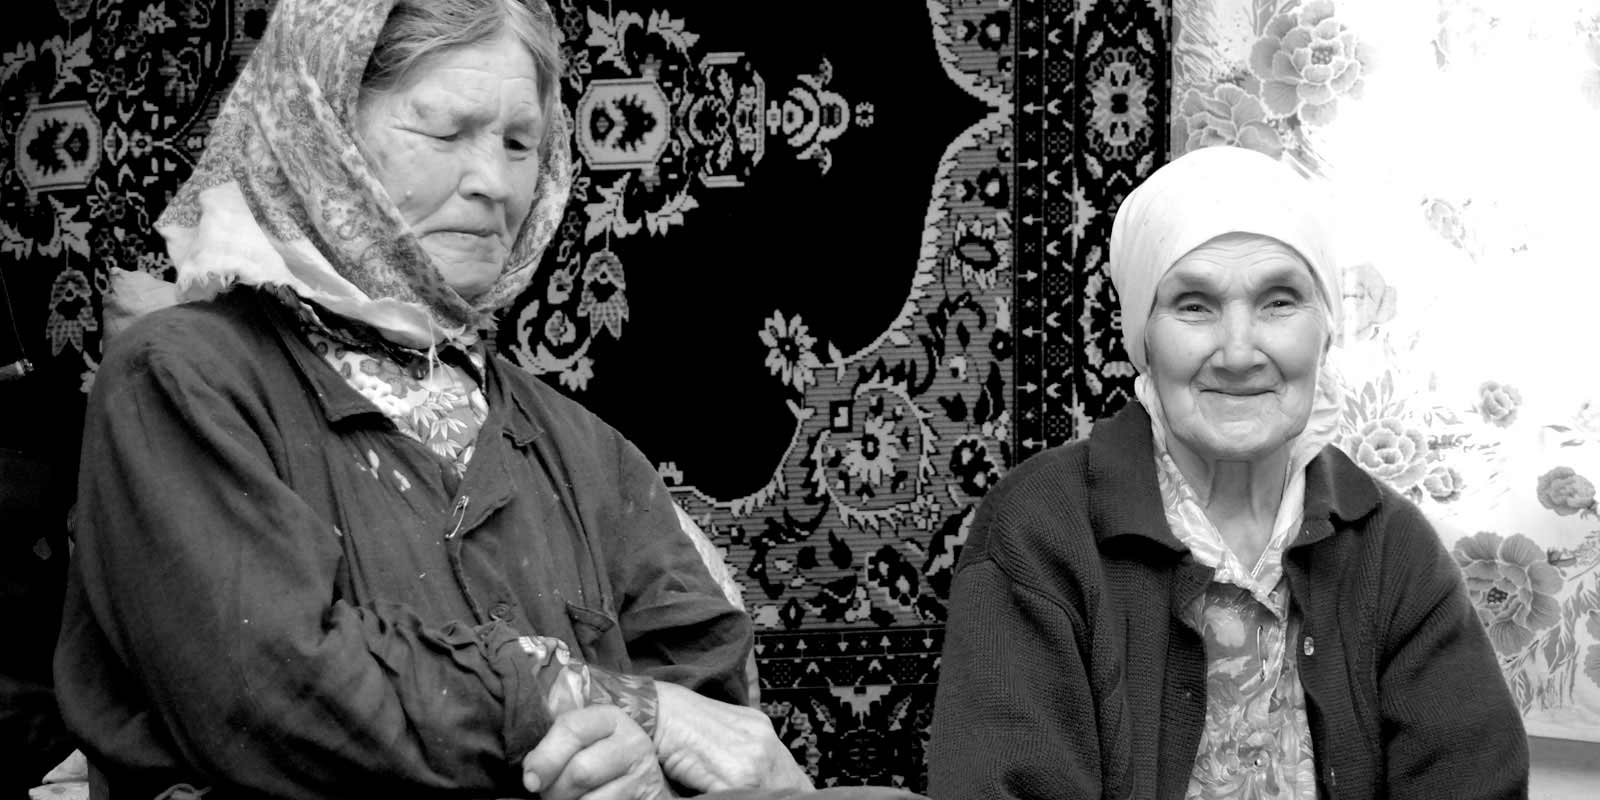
[
  {"x": 1235, "y": 340},
  {"x": 456, "y": 145}
]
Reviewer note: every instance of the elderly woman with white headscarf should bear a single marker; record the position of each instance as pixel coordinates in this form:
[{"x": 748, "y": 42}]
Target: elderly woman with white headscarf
[
  {"x": 329, "y": 543},
  {"x": 1204, "y": 599}
]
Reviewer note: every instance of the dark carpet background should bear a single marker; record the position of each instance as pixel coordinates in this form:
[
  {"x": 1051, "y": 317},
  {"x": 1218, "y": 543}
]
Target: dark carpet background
[{"x": 834, "y": 268}]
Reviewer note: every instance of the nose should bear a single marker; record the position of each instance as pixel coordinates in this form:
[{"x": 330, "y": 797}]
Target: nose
[
  {"x": 486, "y": 172},
  {"x": 1238, "y": 348}
]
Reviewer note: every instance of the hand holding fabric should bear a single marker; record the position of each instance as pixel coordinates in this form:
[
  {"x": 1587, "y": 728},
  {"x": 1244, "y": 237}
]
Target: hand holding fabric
[
  {"x": 595, "y": 753},
  {"x": 709, "y": 746}
]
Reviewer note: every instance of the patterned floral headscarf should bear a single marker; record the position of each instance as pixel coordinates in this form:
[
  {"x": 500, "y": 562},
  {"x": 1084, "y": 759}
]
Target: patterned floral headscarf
[{"x": 283, "y": 195}]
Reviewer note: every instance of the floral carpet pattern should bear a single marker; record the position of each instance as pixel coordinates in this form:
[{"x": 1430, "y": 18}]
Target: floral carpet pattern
[
  {"x": 834, "y": 284},
  {"x": 1447, "y": 248}
]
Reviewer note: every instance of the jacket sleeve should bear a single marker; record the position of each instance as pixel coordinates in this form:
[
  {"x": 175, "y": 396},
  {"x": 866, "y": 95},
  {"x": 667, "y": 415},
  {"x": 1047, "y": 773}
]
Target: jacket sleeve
[
  {"x": 214, "y": 585},
  {"x": 678, "y": 625},
  {"x": 1013, "y": 715},
  {"x": 1449, "y": 725}
]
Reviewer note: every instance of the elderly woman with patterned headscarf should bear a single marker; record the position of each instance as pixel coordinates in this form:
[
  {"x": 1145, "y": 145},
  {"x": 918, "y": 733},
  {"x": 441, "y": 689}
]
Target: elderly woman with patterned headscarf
[
  {"x": 328, "y": 544},
  {"x": 1204, "y": 599}
]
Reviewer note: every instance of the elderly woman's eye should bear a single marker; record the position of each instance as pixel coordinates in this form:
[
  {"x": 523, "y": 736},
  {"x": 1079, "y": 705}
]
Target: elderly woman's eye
[{"x": 519, "y": 145}]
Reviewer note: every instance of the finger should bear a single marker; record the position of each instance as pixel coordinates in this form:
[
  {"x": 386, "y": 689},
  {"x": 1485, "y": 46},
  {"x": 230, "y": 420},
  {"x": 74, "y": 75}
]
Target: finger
[
  {"x": 631, "y": 787},
  {"x": 694, "y": 773},
  {"x": 627, "y": 755},
  {"x": 570, "y": 734}
]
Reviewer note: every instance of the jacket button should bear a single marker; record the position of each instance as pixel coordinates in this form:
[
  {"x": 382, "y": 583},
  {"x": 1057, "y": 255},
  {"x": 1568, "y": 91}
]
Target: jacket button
[
  {"x": 500, "y": 611},
  {"x": 1310, "y": 646}
]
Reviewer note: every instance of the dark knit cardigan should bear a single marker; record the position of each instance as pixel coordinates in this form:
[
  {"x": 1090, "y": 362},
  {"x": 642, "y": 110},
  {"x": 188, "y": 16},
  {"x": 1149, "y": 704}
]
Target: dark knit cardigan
[{"x": 1068, "y": 670}]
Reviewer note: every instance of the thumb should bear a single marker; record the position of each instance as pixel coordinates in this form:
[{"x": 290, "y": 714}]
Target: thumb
[{"x": 569, "y": 735}]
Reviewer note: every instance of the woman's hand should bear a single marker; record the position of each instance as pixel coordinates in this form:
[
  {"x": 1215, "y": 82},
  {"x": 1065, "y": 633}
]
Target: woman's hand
[
  {"x": 595, "y": 753},
  {"x": 708, "y": 746}
]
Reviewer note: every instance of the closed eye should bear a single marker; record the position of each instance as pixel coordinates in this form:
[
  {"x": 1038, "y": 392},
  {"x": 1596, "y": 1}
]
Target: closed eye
[
  {"x": 1283, "y": 301},
  {"x": 445, "y": 136}
]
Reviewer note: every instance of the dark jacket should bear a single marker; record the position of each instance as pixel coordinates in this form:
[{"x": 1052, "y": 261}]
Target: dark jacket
[
  {"x": 273, "y": 591},
  {"x": 1068, "y": 671}
]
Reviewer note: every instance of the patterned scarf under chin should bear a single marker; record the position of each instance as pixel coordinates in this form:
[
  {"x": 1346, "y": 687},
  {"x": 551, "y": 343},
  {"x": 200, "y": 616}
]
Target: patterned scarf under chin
[{"x": 283, "y": 196}]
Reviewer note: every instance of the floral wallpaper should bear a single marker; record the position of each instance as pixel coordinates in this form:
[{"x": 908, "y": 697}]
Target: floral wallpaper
[{"x": 1455, "y": 142}]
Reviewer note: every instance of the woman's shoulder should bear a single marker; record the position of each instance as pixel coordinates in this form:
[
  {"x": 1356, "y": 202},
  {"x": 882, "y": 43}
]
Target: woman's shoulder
[
  {"x": 561, "y": 418},
  {"x": 1036, "y": 514},
  {"x": 1376, "y": 522},
  {"x": 1058, "y": 470},
  {"x": 1355, "y": 495},
  {"x": 1116, "y": 452},
  {"x": 218, "y": 334}
]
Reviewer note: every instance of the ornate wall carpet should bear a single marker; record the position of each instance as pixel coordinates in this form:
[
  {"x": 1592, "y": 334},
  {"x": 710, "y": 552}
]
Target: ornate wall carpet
[{"x": 835, "y": 273}]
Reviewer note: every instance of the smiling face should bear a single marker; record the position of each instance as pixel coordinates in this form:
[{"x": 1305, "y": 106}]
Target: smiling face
[
  {"x": 1235, "y": 340},
  {"x": 456, "y": 146}
]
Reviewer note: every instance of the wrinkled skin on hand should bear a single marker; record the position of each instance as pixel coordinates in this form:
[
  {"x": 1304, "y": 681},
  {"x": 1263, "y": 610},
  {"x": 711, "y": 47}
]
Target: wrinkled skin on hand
[
  {"x": 709, "y": 746},
  {"x": 595, "y": 753}
]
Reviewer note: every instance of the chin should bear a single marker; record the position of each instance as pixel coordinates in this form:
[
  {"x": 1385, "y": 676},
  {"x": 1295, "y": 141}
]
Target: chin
[
  {"x": 470, "y": 281},
  {"x": 1224, "y": 445}
]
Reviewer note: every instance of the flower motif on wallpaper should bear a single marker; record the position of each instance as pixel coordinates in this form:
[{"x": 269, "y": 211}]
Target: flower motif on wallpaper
[
  {"x": 872, "y": 461},
  {"x": 604, "y": 302},
  {"x": 796, "y": 732},
  {"x": 71, "y": 311},
  {"x": 1565, "y": 492},
  {"x": 889, "y": 571},
  {"x": 576, "y": 374},
  {"x": 1307, "y": 60},
  {"x": 789, "y": 354},
  {"x": 1587, "y": 417},
  {"x": 981, "y": 252},
  {"x": 560, "y": 287},
  {"x": 1369, "y": 300},
  {"x": 1420, "y": 452},
  {"x": 1302, "y": 61},
  {"x": 1464, "y": 30},
  {"x": 559, "y": 329},
  {"x": 559, "y": 343},
  {"x": 1512, "y": 585},
  {"x": 73, "y": 10},
  {"x": 1498, "y": 403},
  {"x": 1119, "y": 91},
  {"x": 1533, "y": 601},
  {"x": 970, "y": 462},
  {"x": 1442, "y": 483},
  {"x": 869, "y": 458},
  {"x": 1392, "y": 451},
  {"x": 1447, "y": 220},
  {"x": 1589, "y": 80},
  {"x": 1228, "y": 115}
]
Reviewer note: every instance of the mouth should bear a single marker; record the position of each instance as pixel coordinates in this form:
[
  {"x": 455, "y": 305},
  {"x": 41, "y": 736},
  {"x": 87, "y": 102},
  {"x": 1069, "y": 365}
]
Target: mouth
[{"x": 1239, "y": 393}]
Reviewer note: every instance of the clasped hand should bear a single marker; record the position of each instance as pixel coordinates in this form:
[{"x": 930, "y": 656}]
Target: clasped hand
[{"x": 599, "y": 753}]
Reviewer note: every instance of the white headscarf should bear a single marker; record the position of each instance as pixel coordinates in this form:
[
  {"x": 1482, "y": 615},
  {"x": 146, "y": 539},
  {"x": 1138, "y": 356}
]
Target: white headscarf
[
  {"x": 1199, "y": 196},
  {"x": 1207, "y": 193}
]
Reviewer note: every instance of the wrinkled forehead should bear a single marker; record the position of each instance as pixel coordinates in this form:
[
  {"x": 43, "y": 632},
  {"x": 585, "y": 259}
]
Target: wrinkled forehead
[{"x": 1239, "y": 256}]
